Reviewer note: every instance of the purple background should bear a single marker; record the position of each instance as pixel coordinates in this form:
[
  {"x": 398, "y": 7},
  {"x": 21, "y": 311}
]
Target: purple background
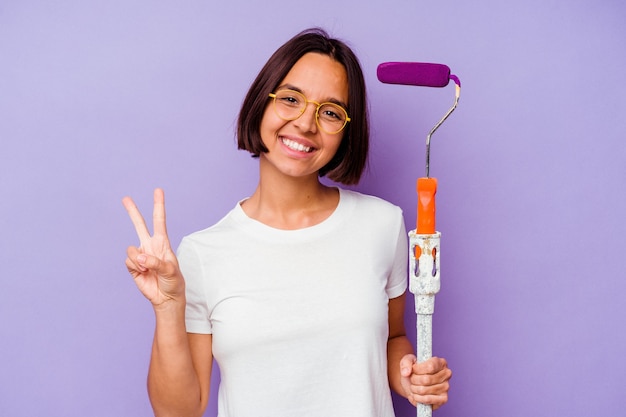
[{"x": 100, "y": 99}]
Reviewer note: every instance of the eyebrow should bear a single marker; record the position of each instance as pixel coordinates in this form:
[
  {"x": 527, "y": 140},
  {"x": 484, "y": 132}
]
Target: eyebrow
[{"x": 330, "y": 100}]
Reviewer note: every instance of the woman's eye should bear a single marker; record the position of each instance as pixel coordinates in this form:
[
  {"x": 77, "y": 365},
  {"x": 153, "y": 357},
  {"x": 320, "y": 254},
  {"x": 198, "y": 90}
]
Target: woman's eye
[
  {"x": 290, "y": 100},
  {"x": 330, "y": 113}
]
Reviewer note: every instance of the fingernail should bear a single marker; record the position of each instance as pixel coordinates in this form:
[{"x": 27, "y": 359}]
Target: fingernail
[{"x": 141, "y": 259}]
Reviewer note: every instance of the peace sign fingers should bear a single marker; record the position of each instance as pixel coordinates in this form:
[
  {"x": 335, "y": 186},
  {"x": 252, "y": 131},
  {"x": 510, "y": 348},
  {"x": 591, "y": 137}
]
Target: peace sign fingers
[
  {"x": 158, "y": 243},
  {"x": 153, "y": 264}
]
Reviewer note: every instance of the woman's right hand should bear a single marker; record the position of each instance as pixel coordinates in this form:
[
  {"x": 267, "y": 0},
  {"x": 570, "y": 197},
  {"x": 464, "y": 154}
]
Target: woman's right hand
[{"x": 153, "y": 265}]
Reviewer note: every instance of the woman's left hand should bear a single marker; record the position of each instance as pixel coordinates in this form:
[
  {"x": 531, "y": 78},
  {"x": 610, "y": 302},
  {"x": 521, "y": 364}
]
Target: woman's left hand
[{"x": 426, "y": 382}]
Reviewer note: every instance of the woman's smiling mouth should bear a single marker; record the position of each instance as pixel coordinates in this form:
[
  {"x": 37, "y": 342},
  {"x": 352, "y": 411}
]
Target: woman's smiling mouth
[{"x": 292, "y": 144}]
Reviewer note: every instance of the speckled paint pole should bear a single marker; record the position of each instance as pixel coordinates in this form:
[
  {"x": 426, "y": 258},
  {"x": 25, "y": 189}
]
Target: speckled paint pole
[
  {"x": 424, "y": 283},
  {"x": 424, "y": 240}
]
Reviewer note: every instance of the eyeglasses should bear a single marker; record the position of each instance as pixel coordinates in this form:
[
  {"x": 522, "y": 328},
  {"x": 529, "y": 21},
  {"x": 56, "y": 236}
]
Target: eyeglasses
[{"x": 290, "y": 105}]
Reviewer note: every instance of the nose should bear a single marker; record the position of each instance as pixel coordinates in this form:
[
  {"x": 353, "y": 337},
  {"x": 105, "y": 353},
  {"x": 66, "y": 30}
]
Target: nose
[{"x": 308, "y": 120}]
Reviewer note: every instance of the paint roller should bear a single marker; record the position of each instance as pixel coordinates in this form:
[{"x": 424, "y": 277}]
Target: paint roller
[
  {"x": 424, "y": 259},
  {"x": 422, "y": 74}
]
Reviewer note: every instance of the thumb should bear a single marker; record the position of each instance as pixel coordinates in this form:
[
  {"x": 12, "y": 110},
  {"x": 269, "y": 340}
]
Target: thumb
[
  {"x": 406, "y": 364},
  {"x": 163, "y": 268}
]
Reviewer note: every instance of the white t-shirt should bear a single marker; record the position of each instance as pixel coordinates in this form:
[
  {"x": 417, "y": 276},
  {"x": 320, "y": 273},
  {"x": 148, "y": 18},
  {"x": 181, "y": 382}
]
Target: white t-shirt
[{"x": 299, "y": 317}]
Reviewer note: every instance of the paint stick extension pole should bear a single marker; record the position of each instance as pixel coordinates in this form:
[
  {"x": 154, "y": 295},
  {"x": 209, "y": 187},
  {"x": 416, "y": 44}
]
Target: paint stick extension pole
[
  {"x": 424, "y": 274},
  {"x": 424, "y": 260}
]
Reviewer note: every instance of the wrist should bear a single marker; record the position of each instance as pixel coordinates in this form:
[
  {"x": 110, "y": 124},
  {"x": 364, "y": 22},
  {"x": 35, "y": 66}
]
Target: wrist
[{"x": 171, "y": 309}]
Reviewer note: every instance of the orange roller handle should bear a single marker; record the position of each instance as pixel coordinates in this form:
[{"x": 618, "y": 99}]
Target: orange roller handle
[{"x": 426, "y": 190}]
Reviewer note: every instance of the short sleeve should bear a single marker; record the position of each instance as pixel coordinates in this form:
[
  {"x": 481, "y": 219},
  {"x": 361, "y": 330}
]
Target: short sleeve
[
  {"x": 397, "y": 282},
  {"x": 197, "y": 311}
]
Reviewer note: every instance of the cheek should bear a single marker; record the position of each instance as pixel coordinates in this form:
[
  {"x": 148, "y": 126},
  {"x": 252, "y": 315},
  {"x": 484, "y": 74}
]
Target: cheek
[
  {"x": 270, "y": 123},
  {"x": 339, "y": 142},
  {"x": 337, "y": 148}
]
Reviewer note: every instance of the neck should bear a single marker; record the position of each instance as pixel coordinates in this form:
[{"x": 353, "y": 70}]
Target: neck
[{"x": 291, "y": 203}]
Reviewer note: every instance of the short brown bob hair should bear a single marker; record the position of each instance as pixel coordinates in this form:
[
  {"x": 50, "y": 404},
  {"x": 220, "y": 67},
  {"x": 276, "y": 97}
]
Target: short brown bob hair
[{"x": 349, "y": 162}]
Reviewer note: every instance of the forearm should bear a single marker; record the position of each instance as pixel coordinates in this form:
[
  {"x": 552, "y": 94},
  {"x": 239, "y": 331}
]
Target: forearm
[
  {"x": 173, "y": 383},
  {"x": 397, "y": 348}
]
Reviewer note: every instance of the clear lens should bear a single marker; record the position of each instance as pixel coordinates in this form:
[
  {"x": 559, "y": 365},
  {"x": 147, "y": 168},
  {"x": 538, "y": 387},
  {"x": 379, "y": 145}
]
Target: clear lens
[
  {"x": 332, "y": 118},
  {"x": 290, "y": 105}
]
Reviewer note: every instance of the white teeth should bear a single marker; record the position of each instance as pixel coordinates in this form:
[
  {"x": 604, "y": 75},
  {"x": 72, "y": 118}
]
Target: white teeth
[{"x": 296, "y": 146}]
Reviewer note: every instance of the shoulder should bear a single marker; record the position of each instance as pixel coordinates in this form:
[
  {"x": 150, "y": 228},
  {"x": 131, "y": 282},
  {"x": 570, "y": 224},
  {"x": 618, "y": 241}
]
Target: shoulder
[
  {"x": 372, "y": 213},
  {"x": 366, "y": 202},
  {"x": 218, "y": 232}
]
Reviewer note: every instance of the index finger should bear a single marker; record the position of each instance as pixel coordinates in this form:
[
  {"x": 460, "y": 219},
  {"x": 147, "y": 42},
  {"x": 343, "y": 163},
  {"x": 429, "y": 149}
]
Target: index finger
[
  {"x": 430, "y": 366},
  {"x": 137, "y": 219}
]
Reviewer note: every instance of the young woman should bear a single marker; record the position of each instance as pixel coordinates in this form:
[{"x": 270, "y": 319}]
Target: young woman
[{"x": 299, "y": 291}]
